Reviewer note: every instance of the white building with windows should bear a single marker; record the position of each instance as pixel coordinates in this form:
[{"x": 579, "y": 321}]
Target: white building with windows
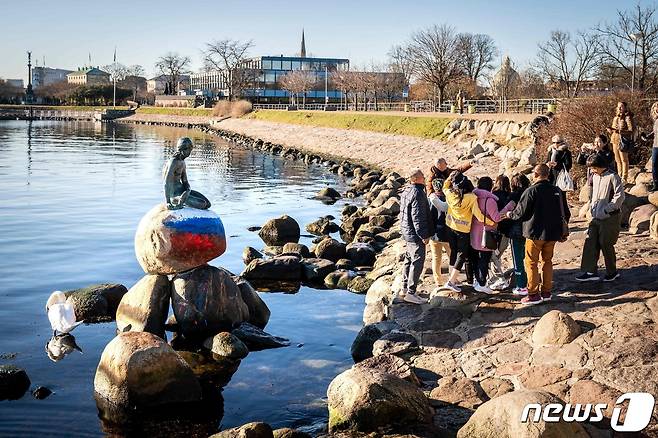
[{"x": 42, "y": 76}]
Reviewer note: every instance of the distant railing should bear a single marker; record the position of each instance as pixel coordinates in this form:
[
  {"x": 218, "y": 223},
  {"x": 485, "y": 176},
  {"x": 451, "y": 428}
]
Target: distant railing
[
  {"x": 487, "y": 106},
  {"x": 44, "y": 114}
]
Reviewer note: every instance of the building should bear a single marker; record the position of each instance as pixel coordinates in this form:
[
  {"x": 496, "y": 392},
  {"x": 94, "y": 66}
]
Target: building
[
  {"x": 16, "y": 83},
  {"x": 88, "y": 76},
  {"x": 176, "y": 101},
  {"x": 209, "y": 84},
  {"x": 160, "y": 84},
  {"x": 42, "y": 76}
]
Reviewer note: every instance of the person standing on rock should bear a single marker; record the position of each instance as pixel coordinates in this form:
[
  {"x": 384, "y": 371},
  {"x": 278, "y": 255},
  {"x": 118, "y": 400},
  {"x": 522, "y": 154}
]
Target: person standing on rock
[
  {"x": 442, "y": 171},
  {"x": 654, "y": 150},
  {"x": 621, "y": 131},
  {"x": 416, "y": 231},
  {"x": 502, "y": 191},
  {"x": 513, "y": 229},
  {"x": 559, "y": 158},
  {"x": 545, "y": 214},
  {"x": 439, "y": 240},
  {"x": 606, "y": 200},
  {"x": 480, "y": 254},
  {"x": 462, "y": 208}
]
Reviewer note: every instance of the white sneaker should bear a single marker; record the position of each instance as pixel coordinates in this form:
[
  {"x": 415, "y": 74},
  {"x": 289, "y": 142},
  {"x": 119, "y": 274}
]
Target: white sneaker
[
  {"x": 521, "y": 291},
  {"x": 499, "y": 285},
  {"x": 399, "y": 297},
  {"x": 414, "y": 299},
  {"x": 482, "y": 289},
  {"x": 451, "y": 286}
]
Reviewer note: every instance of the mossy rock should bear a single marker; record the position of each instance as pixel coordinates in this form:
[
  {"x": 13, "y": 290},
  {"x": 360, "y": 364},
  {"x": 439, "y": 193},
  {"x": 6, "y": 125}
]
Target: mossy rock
[{"x": 359, "y": 285}]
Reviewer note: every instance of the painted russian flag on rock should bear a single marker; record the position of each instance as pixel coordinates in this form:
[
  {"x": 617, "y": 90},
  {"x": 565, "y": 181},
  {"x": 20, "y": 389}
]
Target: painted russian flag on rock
[{"x": 170, "y": 241}]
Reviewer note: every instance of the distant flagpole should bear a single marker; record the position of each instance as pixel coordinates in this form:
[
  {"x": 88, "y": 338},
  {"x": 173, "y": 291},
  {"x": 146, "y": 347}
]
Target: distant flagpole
[{"x": 114, "y": 96}]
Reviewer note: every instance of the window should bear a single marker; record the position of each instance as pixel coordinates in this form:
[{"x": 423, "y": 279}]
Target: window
[
  {"x": 267, "y": 64},
  {"x": 285, "y": 65},
  {"x": 296, "y": 65},
  {"x": 276, "y": 65},
  {"x": 270, "y": 78}
]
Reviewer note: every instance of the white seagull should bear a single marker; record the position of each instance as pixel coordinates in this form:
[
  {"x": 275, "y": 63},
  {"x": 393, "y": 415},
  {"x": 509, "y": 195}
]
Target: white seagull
[{"x": 60, "y": 313}]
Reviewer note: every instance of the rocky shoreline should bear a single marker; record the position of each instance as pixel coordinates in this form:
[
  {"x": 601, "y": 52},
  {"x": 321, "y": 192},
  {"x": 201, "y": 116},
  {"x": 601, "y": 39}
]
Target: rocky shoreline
[{"x": 463, "y": 356}]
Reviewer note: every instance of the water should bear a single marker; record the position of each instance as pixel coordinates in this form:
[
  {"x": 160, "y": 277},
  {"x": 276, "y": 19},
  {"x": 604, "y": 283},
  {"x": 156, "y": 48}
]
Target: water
[{"x": 72, "y": 195}]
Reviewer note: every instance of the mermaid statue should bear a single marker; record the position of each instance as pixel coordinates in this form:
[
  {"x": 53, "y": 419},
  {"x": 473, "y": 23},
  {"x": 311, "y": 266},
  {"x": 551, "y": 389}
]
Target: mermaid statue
[{"x": 176, "y": 187}]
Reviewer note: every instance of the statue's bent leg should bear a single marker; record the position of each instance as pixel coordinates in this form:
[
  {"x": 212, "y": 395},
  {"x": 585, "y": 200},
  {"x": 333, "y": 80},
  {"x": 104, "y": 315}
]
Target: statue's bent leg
[{"x": 197, "y": 200}]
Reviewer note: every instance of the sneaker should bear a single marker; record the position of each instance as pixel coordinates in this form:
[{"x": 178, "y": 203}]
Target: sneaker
[
  {"x": 499, "y": 285},
  {"x": 531, "y": 300},
  {"x": 451, "y": 286},
  {"x": 521, "y": 291},
  {"x": 414, "y": 299},
  {"x": 611, "y": 277},
  {"x": 399, "y": 298},
  {"x": 587, "y": 276},
  {"x": 482, "y": 289},
  {"x": 546, "y": 296}
]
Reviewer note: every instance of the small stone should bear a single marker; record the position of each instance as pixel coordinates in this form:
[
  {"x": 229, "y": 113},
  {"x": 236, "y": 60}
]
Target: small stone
[
  {"x": 359, "y": 285},
  {"x": 462, "y": 392},
  {"x": 330, "y": 249},
  {"x": 495, "y": 387},
  {"x": 315, "y": 270},
  {"x": 13, "y": 382},
  {"x": 555, "y": 327},
  {"x": 279, "y": 268},
  {"x": 249, "y": 430},
  {"x": 363, "y": 343},
  {"x": 249, "y": 254},
  {"x": 297, "y": 249},
  {"x": 338, "y": 279},
  {"x": 256, "y": 339},
  {"x": 328, "y": 192},
  {"x": 41, "y": 392},
  {"x": 396, "y": 343},
  {"x": 227, "y": 346},
  {"x": 290, "y": 433},
  {"x": 361, "y": 254},
  {"x": 280, "y": 231}
]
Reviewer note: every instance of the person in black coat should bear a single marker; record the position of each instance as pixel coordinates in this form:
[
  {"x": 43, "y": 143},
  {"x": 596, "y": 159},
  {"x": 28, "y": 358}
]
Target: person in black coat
[
  {"x": 559, "y": 158},
  {"x": 544, "y": 211},
  {"x": 416, "y": 229}
]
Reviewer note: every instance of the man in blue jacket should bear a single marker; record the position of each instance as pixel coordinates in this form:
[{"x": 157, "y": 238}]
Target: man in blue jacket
[{"x": 415, "y": 230}]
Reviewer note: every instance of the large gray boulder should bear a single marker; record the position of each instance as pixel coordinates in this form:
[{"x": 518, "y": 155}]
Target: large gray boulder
[
  {"x": 361, "y": 254},
  {"x": 500, "y": 417},
  {"x": 315, "y": 270},
  {"x": 641, "y": 218},
  {"x": 224, "y": 345},
  {"x": 330, "y": 249},
  {"x": 96, "y": 303},
  {"x": 139, "y": 369},
  {"x": 146, "y": 305},
  {"x": 206, "y": 300},
  {"x": 279, "y": 268},
  {"x": 249, "y": 430},
  {"x": 365, "y": 399},
  {"x": 362, "y": 346},
  {"x": 279, "y": 231},
  {"x": 322, "y": 227},
  {"x": 259, "y": 313}
]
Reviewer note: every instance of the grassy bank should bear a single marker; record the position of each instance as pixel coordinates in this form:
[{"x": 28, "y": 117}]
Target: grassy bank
[{"x": 425, "y": 127}]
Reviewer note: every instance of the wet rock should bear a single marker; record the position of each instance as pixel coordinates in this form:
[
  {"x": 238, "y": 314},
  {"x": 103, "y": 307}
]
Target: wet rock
[
  {"x": 363, "y": 344},
  {"x": 500, "y": 416},
  {"x": 361, "y": 254},
  {"x": 381, "y": 290},
  {"x": 273, "y": 251},
  {"x": 249, "y": 254},
  {"x": 315, "y": 270},
  {"x": 280, "y": 231},
  {"x": 375, "y": 312},
  {"x": 146, "y": 305},
  {"x": 365, "y": 399},
  {"x": 259, "y": 313},
  {"x": 296, "y": 249},
  {"x": 170, "y": 241},
  {"x": 254, "y": 228},
  {"x": 330, "y": 249},
  {"x": 249, "y": 430},
  {"x": 346, "y": 264},
  {"x": 13, "y": 382},
  {"x": 338, "y": 279},
  {"x": 322, "y": 227},
  {"x": 391, "y": 364},
  {"x": 290, "y": 433},
  {"x": 555, "y": 327},
  {"x": 328, "y": 193},
  {"x": 206, "y": 300},
  {"x": 96, "y": 303},
  {"x": 359, "y": 285},
  {"x": 41, "y": 392},
  {"x": 256, "y": 339},
  {"x": 382, "y": 221},
  {"x": 139, "y": 369},
  {"x": 349, "y": 210},
  {"x": 226, "y": 345},
  {"x": 462, "y": 392},
  {"x": 396, "y": 343},
  {"x": 208, "y": 370},
  {"x": 279, "y": 268},
  {"x": 640, "y": 218}
]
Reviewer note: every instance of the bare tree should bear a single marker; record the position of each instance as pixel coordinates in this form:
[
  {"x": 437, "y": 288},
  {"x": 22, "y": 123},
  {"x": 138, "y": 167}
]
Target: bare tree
[
  {"x": 618, "y": 44},
  {"x": 568, "y": 61},
  {"x": 227, "y": 57},
  {"x": 435, "y": 56},
  {"x": 298, "y": 82},
  {"x": 116, "y": 70},
  {"x": 399, "y": 61},
  {"x": 476, "y": 54},
  {"x": 173, "y": 65},
  {"x": 135, "y": 70}
]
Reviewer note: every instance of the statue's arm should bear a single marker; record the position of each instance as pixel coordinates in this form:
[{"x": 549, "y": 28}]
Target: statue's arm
[
  {"x": 184, "y": 180},
  {"x": 169, "y": 185}
]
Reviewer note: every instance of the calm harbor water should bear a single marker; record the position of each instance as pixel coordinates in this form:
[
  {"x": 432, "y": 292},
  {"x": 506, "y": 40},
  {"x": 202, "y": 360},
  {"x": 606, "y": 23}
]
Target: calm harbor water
[{"x": 72, "y": 195}]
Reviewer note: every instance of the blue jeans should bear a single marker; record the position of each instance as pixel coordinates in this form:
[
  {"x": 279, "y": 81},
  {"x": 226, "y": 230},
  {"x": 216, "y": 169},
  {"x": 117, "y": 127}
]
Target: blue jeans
[{"x": 654, "y": 166}]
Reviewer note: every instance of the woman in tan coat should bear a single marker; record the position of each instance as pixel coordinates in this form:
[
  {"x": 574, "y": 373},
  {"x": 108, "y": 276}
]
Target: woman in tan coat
[{"x": 622, "y": 126}]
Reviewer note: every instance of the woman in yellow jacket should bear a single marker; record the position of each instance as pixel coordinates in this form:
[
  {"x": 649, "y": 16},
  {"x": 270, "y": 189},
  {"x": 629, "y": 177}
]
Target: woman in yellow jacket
[
  {"x": 462, "y": 208},
  {"x": 622, "y": 126}
]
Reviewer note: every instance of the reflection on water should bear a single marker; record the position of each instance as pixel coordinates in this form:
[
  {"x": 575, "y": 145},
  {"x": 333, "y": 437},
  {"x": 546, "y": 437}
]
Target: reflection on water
[{"x": 73, "y": 194}]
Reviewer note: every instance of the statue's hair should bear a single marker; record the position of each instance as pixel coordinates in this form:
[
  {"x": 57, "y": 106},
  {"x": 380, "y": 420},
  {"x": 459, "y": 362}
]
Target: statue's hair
[
  {"x": 654, "y": 111},
  {"x": 184, "y": 142}
]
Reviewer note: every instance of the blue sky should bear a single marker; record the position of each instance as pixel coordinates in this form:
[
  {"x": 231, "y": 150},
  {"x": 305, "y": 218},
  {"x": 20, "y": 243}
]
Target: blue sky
[{"x": 65, "y": 31}]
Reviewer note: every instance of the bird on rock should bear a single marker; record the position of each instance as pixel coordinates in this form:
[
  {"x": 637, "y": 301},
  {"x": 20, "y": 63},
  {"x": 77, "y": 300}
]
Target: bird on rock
[{"x": 61, "y": 313}]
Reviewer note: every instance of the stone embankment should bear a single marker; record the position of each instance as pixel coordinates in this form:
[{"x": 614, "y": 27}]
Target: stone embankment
[{"x": 467, "y": 363}]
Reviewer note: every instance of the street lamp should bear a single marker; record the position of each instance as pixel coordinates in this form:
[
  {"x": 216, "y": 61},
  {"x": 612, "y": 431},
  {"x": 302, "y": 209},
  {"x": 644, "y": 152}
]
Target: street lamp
[
  {"x": 635, "y": 37},
  {"x": 326, "y": 85}
]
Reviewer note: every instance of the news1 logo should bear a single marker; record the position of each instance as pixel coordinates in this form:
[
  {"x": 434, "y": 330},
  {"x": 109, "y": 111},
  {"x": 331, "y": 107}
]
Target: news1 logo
[{"x": 638, "y": 412}]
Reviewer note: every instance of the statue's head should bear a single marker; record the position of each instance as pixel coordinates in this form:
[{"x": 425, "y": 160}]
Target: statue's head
[{"x": 185, "y": 146}]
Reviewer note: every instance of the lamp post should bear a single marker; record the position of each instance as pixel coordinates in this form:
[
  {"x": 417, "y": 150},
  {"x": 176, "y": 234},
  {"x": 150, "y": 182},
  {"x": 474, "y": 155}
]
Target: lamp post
[
  {"x": 29, "y": 93},
  {"x": 326, "y": 85},
  {"x": 635, "y": 37}
]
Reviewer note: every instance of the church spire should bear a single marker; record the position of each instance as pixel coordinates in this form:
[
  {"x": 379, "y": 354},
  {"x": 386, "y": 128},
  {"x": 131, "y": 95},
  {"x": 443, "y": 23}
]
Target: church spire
[{"x": 302, "y": 53}]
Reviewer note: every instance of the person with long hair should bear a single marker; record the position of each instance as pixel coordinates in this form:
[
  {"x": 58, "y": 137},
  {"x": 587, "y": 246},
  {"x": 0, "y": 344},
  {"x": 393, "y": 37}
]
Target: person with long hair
[
  {"x": 502, "y": 191},
  {"x": 462, "y": 208},
  {"x": 480, "y": 255},
  {"x": 559, "y": 158},
  {"x": 513, "y": 230},
  {"x": 439, "y": 240},
  {"x": 622, "y": 129},
  {"x": 600, "y": 146}
]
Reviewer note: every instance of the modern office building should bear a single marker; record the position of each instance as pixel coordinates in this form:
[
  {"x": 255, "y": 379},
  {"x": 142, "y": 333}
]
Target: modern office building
[
  {"x": 42, "y": 76},
  {"x": 16, "y": 83},
  {"x": 88, "y": 76}
]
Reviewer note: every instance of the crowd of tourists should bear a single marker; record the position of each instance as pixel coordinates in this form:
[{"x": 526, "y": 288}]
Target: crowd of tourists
[{"x": 474, "y": 224}]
